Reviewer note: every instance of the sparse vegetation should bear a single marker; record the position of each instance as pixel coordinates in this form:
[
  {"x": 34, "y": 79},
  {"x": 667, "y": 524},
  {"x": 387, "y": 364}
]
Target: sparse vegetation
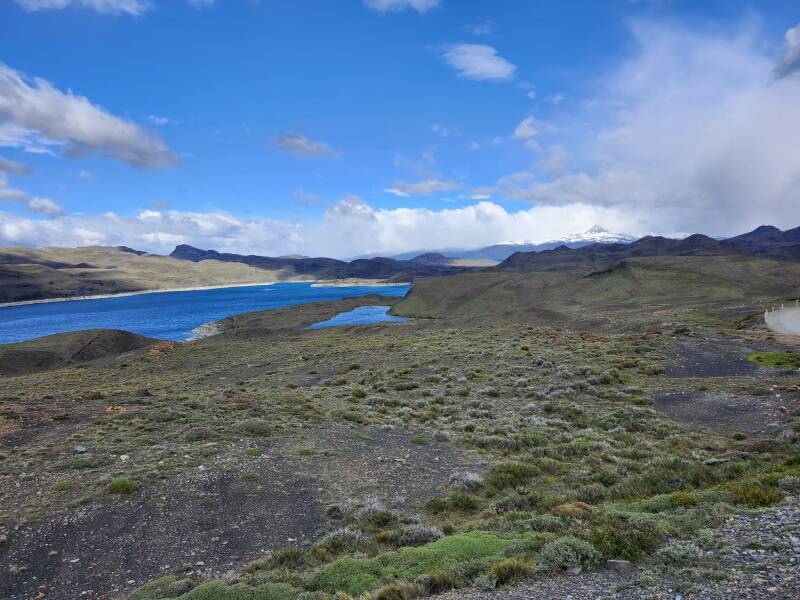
[{"x": 516, "y": 446}]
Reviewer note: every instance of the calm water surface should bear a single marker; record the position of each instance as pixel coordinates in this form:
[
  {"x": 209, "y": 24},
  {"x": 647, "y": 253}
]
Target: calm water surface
[
  {"x": 363, "y": 315},
  {"x": 168, "y": 315}
]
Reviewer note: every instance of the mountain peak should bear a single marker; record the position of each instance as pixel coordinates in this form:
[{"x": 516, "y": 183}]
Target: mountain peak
[{"x": 595, "y": 229}]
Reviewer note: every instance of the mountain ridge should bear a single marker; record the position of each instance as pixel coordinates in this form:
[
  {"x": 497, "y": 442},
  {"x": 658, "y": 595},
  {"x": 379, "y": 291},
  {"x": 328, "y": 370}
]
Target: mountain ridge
[{"x": 764, "y": 241}]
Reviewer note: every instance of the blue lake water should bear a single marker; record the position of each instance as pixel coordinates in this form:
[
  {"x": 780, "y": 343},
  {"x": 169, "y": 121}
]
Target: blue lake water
[
  {"x": 167, "y": 315},
  {"x": 363, "y": 315}
]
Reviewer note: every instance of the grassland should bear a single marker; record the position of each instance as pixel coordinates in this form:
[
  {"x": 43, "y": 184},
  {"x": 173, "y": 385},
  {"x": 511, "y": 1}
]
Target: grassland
[{"x": 517, "y": 427}]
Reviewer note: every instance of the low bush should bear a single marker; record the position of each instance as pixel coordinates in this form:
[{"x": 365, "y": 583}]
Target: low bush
[
  {"x": 417, "y": 535},
  {"x": 753, "y": 495},
  {"x": 122, "y": 485},
  {"x": 399, "y": 590},
  {"x": 617, "y": 537},
  {"x": 511, "y": 570},
  {"x": 438, "y": 582},
  {"x": 254, "y": 427},
  {"x": 466, "y": 482},
  {"x": 345, "y": 539},
  {"x": 568, "y": 552},
  {"x": 681, "y": 553},
  {"x": 511, "y": 474}
]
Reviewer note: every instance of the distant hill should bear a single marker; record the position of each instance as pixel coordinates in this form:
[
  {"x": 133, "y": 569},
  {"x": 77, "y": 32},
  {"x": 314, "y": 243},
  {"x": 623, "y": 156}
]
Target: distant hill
[
  {"x": 765, "y": 241},
  {"x": 300, "y": 266},
  {"x": 432, "y": 258},
  {"x": 41, "y": 273},
  {"x": 325, "y": 268}
]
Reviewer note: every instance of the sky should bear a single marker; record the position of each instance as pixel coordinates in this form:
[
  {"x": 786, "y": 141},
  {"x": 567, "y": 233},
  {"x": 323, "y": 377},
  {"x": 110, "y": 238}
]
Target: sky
[{"x": 357, "y": 127}]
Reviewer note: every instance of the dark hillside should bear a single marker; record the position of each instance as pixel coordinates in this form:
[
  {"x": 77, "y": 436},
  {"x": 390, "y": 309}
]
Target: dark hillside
[{"x": 66, "y": 349}]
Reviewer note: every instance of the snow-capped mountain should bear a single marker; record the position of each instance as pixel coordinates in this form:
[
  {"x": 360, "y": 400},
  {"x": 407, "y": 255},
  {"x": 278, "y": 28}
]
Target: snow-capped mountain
[
  {"x": 503, "y": 250},
  {"x": 593, "y": 235}
]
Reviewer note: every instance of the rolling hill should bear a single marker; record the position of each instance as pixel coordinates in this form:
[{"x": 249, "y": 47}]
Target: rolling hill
[{"x": 36, "y": 274}]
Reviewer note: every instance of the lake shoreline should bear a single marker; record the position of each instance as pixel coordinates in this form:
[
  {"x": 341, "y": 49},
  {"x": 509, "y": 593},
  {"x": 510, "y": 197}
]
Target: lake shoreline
[
  {"x": 141, "y": 292},
  {"x": 313, "y": 282}
]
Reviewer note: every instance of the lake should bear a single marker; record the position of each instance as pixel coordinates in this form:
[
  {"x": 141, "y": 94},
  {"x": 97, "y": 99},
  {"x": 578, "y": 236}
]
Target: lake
[
  {"x": 168, "y": 315},
  {"x": 363, "y": 315}
]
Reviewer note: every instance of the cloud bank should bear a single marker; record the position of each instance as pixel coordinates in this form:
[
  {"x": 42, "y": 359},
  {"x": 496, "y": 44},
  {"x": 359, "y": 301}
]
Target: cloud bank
[
  {"x": 351, "y": 227},
  {"x": 691, "y": 133}
]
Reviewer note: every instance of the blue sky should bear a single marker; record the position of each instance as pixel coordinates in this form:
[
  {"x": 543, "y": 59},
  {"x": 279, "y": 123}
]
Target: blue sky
[{"x": 357, "y": 126}]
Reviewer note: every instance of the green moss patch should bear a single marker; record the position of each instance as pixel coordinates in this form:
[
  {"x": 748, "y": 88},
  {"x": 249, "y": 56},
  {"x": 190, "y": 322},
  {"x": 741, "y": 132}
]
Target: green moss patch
[
  {"x": 776, "y": 360},
  {"x": 356, "y": 576}
]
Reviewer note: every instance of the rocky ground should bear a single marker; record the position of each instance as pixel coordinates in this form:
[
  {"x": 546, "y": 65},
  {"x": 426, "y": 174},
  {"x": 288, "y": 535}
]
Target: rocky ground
[
  {"x": 750, "y": 556},
  {"x": 352, "y": 459},
  {"x": 234, "y": 507}
]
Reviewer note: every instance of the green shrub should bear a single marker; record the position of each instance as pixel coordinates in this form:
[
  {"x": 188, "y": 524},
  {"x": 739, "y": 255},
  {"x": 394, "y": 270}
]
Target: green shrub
[
  {"x": 618, "y": 538},
  {"x": 345, "y": 539},
  {"x": 122, "y": 485},
  {"x": 155, "y": 590},
  {"x": 254, "y": 427},
  {"x": 683, "y": 499},
  {"x": 218, "y": 590},
  {"x": 289, "y": 557},
  {"x": 681, "y": 553},
  {"x": 511, "y": 474},
  {"x": 567, "y": 552},
  {"x": 510, "y": 570},
  {"x": 438, "y": 582},
  {"x": 463, "y": 502},
  {"x": 754, "y": 495},
  {"x": 399, "y": 590},
  {"x": 62, "y": 486}
]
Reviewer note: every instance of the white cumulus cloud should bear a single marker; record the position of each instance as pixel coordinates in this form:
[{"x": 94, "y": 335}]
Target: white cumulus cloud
[
  {"x": 304, "y": 146},
  {"x": 112, "y": 7},
  {"x": 384, "y": 6},
  {"x": 421, "y": 188},
  {"x": 34, "y": 204},
  {"x": 791, "y": 58},
  {"x": 34, "y": 114},
  {"x": 478, "y": 61}
]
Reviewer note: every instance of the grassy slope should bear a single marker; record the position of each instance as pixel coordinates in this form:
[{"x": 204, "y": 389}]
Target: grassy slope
[
  {"x": 640, "y": 289},
  {"x": 33, "y": 274}
]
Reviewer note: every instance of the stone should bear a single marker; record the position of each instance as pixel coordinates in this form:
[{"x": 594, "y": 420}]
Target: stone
[
  {"x": 80, "y": 449},
  {"x": 620, "y": 567}
]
